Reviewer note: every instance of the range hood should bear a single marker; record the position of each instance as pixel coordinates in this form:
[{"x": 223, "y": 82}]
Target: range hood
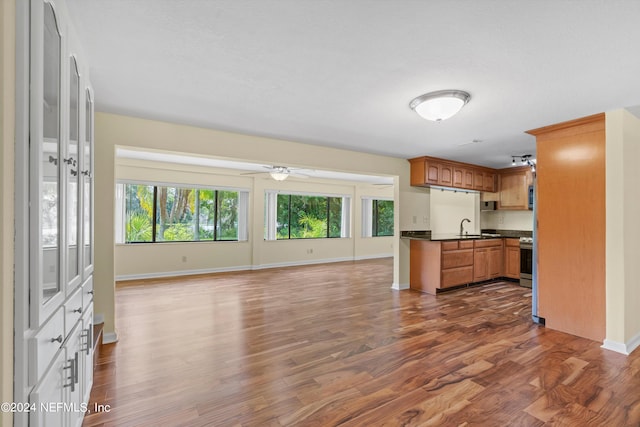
[{"x": 487, "y": 206}]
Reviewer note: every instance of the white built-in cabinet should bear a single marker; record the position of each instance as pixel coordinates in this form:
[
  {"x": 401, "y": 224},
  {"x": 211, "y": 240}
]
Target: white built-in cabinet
[{"x": 54, "y": 279}]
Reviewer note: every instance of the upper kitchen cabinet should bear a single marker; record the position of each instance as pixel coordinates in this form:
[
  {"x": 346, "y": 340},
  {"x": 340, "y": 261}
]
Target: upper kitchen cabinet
[
  {"x": 428, "y": 171},
  {"x": 462, "y": 177},
  {"x": 514, "y": 188}
]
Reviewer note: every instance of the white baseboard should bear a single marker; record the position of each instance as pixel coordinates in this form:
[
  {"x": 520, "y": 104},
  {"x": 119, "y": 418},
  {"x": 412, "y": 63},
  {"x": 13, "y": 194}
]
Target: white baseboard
[
  {"x": 297, "y": 263},
  {"x": 633, "y": 343},
  {"x": 376, "y": 256},
  {"x": 399, "y": 286},
  {"x": 156, "y": 275},
  {"x": 616, "y": 346},
  {"x": 109, "y": 337},
  {"x": 620, "y": 347},
  {"x": 98, "y": 318}
]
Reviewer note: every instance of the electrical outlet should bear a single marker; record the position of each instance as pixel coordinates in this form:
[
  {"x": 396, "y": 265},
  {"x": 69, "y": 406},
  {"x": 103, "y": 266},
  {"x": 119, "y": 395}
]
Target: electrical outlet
[
  {"x": 184, "y": 259},
  {"x": 415, "y": 219},
  {"x": 425, "y": 219},
  {"x": 500, "y": 219}
]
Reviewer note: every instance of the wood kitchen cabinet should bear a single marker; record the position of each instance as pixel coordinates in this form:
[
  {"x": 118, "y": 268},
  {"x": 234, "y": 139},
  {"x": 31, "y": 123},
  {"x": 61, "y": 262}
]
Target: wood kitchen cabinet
[
  {"x": 514, "y": 188},
  {"x": 427, "y": 171},
  {"x": 438, "y": 265},
  {"x": 457, "y": 263},
  {"x": 572, "y": 226},
  {"x": 512, "y": 258},
  {"x": 487, "y": 259},
  {"x": 462, "y": 177}
]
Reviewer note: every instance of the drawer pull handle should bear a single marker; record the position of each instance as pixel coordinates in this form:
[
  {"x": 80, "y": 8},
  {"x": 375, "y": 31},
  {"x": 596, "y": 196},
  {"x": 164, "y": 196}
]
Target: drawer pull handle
[
  {"x": 59, "y": 339},
  {"x": 90, "y": 292},
  {"x": 78, "y": 310},
  {"x": 73, "y": 367}
]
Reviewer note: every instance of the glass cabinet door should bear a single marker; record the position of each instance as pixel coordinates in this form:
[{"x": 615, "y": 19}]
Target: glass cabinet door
[
  {"x": 45, "y": 191},
  {"x": 87, "y": 193},
  {"x": 73, "y": 180}
]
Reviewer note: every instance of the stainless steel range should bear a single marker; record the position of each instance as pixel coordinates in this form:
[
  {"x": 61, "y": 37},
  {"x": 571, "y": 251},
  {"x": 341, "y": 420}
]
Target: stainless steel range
[{"x": 526, "y": 261}]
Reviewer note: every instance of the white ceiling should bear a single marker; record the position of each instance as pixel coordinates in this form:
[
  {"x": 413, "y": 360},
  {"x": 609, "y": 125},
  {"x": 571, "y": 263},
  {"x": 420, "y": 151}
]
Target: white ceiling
[{"x": 342, "y": 73}]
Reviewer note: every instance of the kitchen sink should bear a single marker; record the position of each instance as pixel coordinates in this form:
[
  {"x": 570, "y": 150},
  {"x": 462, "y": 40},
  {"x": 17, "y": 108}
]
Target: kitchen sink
[{"x": 479, "y": 236}]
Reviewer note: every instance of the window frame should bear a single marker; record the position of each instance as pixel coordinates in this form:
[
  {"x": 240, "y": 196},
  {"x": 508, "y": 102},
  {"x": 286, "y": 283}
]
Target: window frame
[
  {"x": 242, "y": 212},
  {"x": 370, "y": 219},
  {"x": 271, "y": 216}
]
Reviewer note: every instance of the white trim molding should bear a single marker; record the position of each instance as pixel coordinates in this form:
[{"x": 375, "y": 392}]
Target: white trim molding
[
  {"x": 399, "y": 286},
  {"x": 375, "y": 256},
  {"x": 297, "y": 263},
  {"x": 624, "y": 348},
  {"x": 109, "y": 338},
  {"x": 177, "y": 273}
]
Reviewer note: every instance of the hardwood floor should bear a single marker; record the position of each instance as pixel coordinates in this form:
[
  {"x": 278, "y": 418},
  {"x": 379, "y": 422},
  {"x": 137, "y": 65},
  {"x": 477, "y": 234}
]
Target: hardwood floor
[{"x": 334, "y": 345}]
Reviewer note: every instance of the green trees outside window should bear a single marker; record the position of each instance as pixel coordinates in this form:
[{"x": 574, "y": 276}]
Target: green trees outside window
[
  {"x": 308, "y": 217},
  {"x": 175, "y": 214},
  {"x": 382, "y": 218}
]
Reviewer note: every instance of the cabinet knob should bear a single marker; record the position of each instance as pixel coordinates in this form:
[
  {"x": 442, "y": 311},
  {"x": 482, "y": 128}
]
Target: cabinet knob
[
  {"x": 59, "y": 339},
  {"x": 78, "y": 310}
]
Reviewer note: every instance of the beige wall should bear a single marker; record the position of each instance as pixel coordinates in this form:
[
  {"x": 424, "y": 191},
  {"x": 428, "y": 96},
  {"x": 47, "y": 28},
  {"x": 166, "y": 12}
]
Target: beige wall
[
  {"x": 623, "y": 229},
  {"x": 507, "y": 220},
  {"x": 448, "y": 208},
  {"x": 7, "y": 129},
  {"x": 115, "y": 130}
]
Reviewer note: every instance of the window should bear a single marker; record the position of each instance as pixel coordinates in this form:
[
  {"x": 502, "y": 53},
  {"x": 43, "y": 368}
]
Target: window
[
  {"x": 306, "y": 216},
  {"x": 154, "y": 213},
  {"x": 377, "y": 217}
]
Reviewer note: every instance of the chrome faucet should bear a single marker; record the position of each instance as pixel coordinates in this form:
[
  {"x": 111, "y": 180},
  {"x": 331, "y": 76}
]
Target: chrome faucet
[{"x": 462, "y": 225}]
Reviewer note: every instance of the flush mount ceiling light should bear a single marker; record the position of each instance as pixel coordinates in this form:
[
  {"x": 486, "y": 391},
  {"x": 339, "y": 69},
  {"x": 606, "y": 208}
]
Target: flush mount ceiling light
[
  {"x": 439, "y": 105},
  {"x": 279, "y": 173}
]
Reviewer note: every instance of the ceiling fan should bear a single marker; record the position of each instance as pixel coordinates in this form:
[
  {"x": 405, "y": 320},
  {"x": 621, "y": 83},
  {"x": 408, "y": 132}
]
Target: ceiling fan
[{"x": 279, "y": 173}]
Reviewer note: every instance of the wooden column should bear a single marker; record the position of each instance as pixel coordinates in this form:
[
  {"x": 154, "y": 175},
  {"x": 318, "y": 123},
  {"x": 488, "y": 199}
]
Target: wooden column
[{"x": 571, "y": 226}]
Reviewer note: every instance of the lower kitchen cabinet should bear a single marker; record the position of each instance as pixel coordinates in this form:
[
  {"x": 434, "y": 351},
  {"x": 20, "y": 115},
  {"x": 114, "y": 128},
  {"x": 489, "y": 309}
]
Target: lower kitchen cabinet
[
  {"x": 437, "y": 265},
  {"x": 487, "y": 259},
  {"x": 512, "y": 258},
  {"x": 457, "y": 263}
]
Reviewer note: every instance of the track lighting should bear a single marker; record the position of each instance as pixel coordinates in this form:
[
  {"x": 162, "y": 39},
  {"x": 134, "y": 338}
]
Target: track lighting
[{"x": 525, "y": 159}]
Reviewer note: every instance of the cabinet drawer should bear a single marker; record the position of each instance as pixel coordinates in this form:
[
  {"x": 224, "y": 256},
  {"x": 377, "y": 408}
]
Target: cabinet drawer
[
  {"x": 459, "y": 258},
  {"x": 72, "y": 311},
  {"x": 512, "y": 242},
  {"x": 488, "y": 243},
  {"x": 450, "y": 245},
  {"x": 457, "y": 276},
  {"x": 465, "y": 244},
  {"x": 43, "y": 346},
  {"x": 87, "y": 293}
]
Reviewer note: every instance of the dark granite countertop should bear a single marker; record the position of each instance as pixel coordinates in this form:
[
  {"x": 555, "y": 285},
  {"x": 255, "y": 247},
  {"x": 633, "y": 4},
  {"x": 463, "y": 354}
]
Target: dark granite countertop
[{"x": 486, "y": 234}]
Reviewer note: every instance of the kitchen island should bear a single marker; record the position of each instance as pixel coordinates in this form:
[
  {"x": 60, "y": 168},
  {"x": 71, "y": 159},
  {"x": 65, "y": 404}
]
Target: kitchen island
[{"x": 440, "y": 262}]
